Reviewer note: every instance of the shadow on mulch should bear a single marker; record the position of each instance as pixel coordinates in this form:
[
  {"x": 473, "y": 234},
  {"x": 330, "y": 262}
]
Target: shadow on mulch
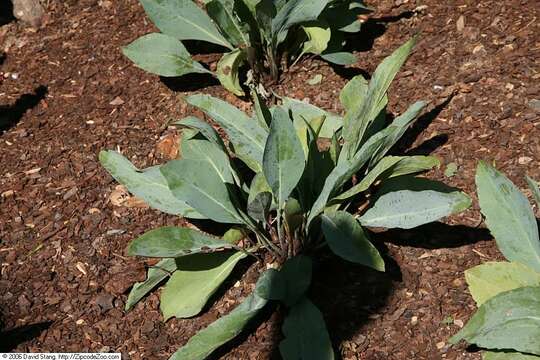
[
  {"x": 189, "y": 82},
  {"x": 10, "y": 339},
  {"x": 11, "y": 114},
  {"x": 430, "y": 145},
  {"x": 363, "y": 41},
  {"x": 434, "y": 236},
  {"x": 6, "y": 12}
]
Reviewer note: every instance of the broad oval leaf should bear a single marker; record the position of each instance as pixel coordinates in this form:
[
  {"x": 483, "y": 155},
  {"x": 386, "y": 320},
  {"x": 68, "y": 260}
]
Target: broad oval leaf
[
  {"x": 197, "y": 278},
  {"x": 199, "y": 184},
  {"x": 491, "y": 278},
  {"x": 293, "y": 13},
  {"x": 318, "y": 38},
  {"x": 260, "y": 206},
  {"x": 408, "y": 209},
  {"x": 247, "y": 136},
  {"x": 227, "y": 71},
  {"x": 283, "y": 160},
  {"x": 200, "y": 149},
  {"x": 509, "y": 320},
  {"x": 306, "y": 336},
  {"x": 162, "y": 55},
  {"x": 347, "y": 239},
  {"x": 156, "y": 274},
  {"x": 173, "y": 242},
  {"x": 509, "y": 216},
  {"x": 223, "y": 12},
  {"x": 148, "y": 184},
  {"x": 223, "y": 329},
  {"x": 339, "y": 57},
  {"x": 183, "y": 20}
]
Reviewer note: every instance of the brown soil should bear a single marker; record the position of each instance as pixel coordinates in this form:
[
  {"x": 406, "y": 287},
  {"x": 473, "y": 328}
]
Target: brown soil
[{"x": 66, "y": 92}]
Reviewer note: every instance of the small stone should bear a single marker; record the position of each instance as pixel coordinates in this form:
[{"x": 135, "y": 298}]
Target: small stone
[
  {"x": 459, "y": 323},
  {"x": 460, "y": 23},
  {"x": 117, "y": 101},
  {"x": 534, "y": 104},
  {"x": 523, "y": 160},
  {"x": 79, "y": 322},
  {"x": 440, "y": 345},
  {"x": 414, "y": 320}
]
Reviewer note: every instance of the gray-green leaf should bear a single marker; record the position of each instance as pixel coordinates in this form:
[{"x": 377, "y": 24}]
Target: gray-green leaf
[
  {"x": 491, "y": 278},
  {"x": 156, "y": 274},
  {"x": 147, "y": 184},
  {"x": 533, "y": 185},
  {"x": 224, "y": 14},
  {"x": 197, "y": 278},
  {"x": 283, "y": 161},
  {"x": 347, "y": 239},
  {"x": 247, "y": 136},
  {"x": 509, "y": 216},
  {"x": 162, "y": 55},
  {"x": 306, "y": 337},
  {"x": 173, "y": 242},
  {"x": 227, "y": 71},
  {"x": 198, "y": 183},
  {"x": 408, "y": 209},
  {"x": 509, "y": 320},
  {"x": 222, "y": 330},
  {"x": 183, "y": 20}
]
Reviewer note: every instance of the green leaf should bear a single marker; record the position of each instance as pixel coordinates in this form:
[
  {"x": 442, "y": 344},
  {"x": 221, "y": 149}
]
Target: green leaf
[
  {"x": 357, "y": 121},
  {"x": 354, "y": 92},
  {"x": 173, "y": 242},
  {"x": 227, "y": 71},
  {"x": 305, "y": 333},
  {"x": 344, "y": 16},
  {"x": 388, "y": 167},
  {"x": 197, "y": 278},
  {"x": 318, "y": 38},
  {"x": 260, "y": 206},
  {"x": 223, "y": 12},
  {"x": 223, "y": 329},
  {"x": 192, "y": 122},
  {"x": 395, "y": 131},
  {"x": 489, "y": 279},
  {"x": 347, "y": 239},
  {"x": 533, "y": 185},
  {"x": 183, "y": 20},
  {"x": 293, "y": 13},
  {"x": 260, "y": 111},
  {"x": 199, "y": 184},
  {"x": 147, "y": 184},
  {"x": 408, "y": 209},
  {"x": 507, "y": 355},
  {"x": 258, "y": 185},
  {"x": 247, "y": 136},
  {"x": 509, "y": 320},
  {"x": 412, "y": 183},
  {"x": 156, "y": 274},
  {"x": 234, "y": 235},
  {"x": 509, "y": 216},
  {"x": 162, "y": 55},
  {"x": 206, "y": 151},
  {"x": 288, "y": 284},
  {"x": 303, "y": 112},
  {"x": 340, "y": 58},
  {"x": 283, "y": 161}
]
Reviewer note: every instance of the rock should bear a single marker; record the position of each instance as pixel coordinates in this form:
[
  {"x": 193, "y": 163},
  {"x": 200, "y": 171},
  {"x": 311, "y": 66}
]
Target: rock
[
  {"x": 460, "y": 23},
  {"x": 534, "y": 104},
  {"x": 29, "y": 11}
]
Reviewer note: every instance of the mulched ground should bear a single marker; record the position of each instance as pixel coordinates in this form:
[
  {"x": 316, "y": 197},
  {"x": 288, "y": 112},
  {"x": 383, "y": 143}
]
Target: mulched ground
[{"x": 66, "y": 92}]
